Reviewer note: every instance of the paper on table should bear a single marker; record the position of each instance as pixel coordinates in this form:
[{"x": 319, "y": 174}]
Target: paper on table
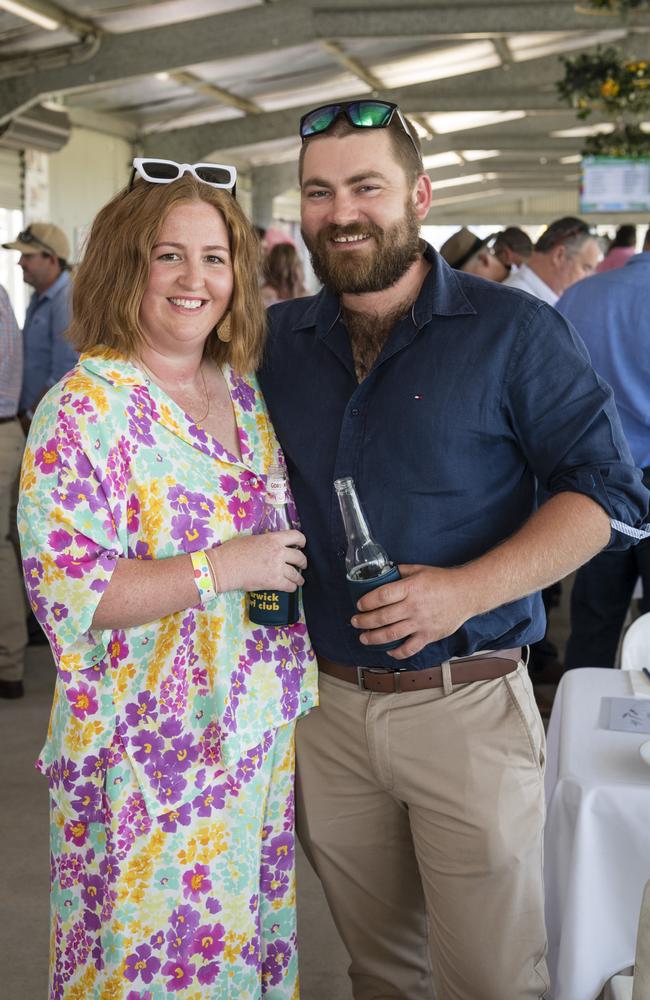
[
  {"x": 629, "y": 715},
  {"x": 639, "y": 683}
]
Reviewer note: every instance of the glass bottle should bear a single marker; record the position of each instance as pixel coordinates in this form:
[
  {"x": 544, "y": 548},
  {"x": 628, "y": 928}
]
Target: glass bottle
[
  {"x": 367, "y": 565},
  {"x": 275, "y": 608}
]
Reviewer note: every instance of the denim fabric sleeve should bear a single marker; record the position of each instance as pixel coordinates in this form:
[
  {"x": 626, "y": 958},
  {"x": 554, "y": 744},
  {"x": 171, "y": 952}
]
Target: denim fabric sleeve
[
  {"x": 63, "y": 356},
  {"x": 566, "y": 421}
]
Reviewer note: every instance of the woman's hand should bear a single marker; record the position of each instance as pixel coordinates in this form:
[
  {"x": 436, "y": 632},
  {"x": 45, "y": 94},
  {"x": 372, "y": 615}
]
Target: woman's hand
[{"x": 272, "y": 561}]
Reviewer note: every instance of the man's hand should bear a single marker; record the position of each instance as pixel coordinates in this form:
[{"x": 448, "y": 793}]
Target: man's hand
[
  {"x": 430, "y": 603},
  {"x": 427, "y": 605}
]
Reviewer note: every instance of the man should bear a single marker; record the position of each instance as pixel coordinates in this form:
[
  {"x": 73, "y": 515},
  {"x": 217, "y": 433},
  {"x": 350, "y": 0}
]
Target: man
[
  {"x": 513, "y": 247},
  {"x": 610, "y": 311},
  {"x": 44, "y": 254},
  {"x": 564, "y": 253},
  {"x": 420, "y": 793},
  {"x": 13, "y": 633},
  {"x": 465, "y": 251}
]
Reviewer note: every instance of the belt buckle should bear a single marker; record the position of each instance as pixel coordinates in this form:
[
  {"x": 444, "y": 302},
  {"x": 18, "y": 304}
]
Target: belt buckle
[{"x": 397, "y": 683}]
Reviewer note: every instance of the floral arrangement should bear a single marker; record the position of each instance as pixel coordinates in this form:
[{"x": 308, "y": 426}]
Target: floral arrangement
[
  {"x": 605, "y": 80},
  {"x": 628, "y": 141}
]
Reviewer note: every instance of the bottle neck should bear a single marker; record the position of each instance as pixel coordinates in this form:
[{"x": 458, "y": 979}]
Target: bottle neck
[{"x": 354, "y": 522}]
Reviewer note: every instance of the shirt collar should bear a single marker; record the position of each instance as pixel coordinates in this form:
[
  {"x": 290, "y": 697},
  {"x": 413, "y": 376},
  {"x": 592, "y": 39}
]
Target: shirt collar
[
  {"x": 112, "y": 367},
  {"x": 537, "y": 286},
  {"x": 116, "y": 369},
  {"x": 61, "y": 282},
  {"x": 441, "y": 294}
]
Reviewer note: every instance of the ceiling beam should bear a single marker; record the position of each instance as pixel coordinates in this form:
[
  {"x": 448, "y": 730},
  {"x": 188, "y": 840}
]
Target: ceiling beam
[
  {"x": 216, "y": 94},
  {"x": 469, "y": 20}
]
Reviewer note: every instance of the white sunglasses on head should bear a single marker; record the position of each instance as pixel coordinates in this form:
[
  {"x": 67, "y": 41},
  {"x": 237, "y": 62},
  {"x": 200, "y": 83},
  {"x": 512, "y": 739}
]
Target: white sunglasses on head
[{"x": 167, "y": 171}]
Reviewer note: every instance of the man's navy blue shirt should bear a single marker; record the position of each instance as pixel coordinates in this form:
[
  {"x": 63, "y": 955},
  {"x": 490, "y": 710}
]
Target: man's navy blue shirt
[{"x": 479, "y": 392}]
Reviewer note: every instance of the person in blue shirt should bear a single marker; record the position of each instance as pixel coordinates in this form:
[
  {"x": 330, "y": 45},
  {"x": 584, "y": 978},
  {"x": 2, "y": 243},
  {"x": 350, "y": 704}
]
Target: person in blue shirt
[
  {"x": 44, "y": 255},
  {"x": 610, "y": 312},
  {"x": 445, "y": 397}
]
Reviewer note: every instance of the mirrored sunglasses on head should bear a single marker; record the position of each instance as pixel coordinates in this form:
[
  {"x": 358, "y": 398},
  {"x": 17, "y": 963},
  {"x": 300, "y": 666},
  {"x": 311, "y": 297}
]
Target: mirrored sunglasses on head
[
  {"x": 27, "y": 236},
  {"x": 360, "y": 114},
  {"x": 156, "y": 171}
]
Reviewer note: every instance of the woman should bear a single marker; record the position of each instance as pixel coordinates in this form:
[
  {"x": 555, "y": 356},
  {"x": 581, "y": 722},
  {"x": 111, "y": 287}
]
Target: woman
[
  {"x": 283, "y": 274},
  {"x": 622, "y": 247},
  {"x": 170, "y": 748}
]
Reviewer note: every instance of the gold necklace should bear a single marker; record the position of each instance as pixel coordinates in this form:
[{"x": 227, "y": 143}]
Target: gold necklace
[{"x": 151, "y": 378}]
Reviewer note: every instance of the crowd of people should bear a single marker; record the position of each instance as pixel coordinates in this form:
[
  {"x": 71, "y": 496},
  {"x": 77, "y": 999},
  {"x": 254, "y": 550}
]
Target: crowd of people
[{"x": 494, "y": 456}]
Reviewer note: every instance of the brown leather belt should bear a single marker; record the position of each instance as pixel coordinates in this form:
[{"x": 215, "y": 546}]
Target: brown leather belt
[
  {"x": 5, "y": 420},
  {"x": 485, "y": 667}
]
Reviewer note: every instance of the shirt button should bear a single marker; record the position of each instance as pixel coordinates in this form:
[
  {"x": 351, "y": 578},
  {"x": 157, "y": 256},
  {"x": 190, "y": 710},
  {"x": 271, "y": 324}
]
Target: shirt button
[
  {"x": 340, "y": 553},
  {"x": 355, "y": 412}
]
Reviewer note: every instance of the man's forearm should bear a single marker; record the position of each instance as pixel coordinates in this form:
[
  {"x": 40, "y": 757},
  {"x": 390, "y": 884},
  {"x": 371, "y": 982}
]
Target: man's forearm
[
  {"x": 563, "y": 534},
  {"x": 430, "y": 603}
]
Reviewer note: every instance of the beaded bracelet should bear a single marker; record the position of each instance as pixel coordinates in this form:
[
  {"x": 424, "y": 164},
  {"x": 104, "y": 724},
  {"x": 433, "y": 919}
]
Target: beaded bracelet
[{"x": 203, "y": 576}]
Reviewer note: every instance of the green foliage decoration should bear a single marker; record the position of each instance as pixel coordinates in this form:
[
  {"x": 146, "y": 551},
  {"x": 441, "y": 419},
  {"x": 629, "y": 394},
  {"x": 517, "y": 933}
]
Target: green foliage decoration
[
  {"x": 605, "y": 80},
  {"x": 628, "y": 141}
]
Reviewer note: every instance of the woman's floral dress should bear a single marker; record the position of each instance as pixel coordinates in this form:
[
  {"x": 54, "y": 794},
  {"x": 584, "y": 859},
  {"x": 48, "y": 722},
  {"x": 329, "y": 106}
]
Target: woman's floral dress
[{"x": 170, "y": 747}]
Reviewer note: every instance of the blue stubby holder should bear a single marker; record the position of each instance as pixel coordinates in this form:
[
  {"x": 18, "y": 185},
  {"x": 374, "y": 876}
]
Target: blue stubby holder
[
  {"x": 358, "y": 588},
  {"x": 273, "y": 608}
]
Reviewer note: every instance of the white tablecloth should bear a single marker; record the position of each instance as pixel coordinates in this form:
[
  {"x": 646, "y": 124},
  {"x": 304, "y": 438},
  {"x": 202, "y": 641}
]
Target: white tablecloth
[{"x": 597, "y": 842}]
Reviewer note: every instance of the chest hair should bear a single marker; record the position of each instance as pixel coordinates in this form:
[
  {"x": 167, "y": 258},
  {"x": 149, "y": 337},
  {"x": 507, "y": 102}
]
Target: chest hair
[{"x": 368, "y": 333}]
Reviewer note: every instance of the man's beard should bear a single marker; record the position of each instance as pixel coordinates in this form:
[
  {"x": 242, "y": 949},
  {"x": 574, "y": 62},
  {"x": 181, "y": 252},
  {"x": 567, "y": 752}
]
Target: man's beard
[{"x": 365, "y": 270}]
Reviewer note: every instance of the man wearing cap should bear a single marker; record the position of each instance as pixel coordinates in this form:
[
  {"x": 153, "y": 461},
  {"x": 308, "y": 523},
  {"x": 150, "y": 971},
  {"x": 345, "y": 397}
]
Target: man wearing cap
[
  {"x": 420, "y": 799},
  {"x": 13, "y": 633},
  {"x": 565, "y": 253},
  {"x": 44, "y": 254},
  {"x": 464, "y": 251}
]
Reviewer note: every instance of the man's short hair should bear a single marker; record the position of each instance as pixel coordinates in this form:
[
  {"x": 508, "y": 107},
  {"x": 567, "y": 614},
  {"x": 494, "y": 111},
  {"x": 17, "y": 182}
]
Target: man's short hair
[
  {"x": 514, "y": 239},
  {"x": 569, "y": 232},
  {"x": 407, "y": 148}
]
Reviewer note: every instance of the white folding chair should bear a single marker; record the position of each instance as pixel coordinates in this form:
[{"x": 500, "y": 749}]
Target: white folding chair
[
  {"x": 637, "y": 987},
  {"x": 635, "y": 651}
]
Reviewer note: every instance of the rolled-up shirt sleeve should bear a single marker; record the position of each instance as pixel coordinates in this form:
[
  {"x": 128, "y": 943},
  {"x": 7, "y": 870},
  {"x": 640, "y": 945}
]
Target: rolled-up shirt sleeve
[
  {"x": 566, "y": 421},
  {"x": 69, "y": 540}
]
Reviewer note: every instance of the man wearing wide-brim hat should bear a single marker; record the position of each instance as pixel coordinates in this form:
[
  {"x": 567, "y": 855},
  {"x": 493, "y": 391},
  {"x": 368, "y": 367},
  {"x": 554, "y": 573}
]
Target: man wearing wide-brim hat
[
  {"x": 465, "y": 251},
  {"x": 44, "y": 255}
]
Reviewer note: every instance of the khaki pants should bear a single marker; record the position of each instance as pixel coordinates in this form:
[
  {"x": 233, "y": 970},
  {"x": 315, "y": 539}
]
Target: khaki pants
[
  {"x": 13, "y": 631},
  {"x": 422, "y": 814}
]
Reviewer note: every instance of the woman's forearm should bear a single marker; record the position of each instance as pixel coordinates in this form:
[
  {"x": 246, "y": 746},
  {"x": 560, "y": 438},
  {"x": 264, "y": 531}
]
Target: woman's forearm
[{"x": 145, "y": 590}]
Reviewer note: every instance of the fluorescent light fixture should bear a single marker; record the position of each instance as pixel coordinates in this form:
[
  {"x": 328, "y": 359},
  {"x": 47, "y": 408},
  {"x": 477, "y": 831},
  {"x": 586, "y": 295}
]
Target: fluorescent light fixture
[
  {"x": 437, "y": 64},
  {"x": 479, "y": 154},
  {"x": 582, "y": 130},
  {"x": 459, "y": 121},
  {"x": 30, "y": 14},
  {"x": 571, "y": 159},
  {"x": 550, "y": 43},
  {"x": 474, "y": 196},
  {"x": 441, "y": 160},
  {"x": 461, "y": 181}
]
